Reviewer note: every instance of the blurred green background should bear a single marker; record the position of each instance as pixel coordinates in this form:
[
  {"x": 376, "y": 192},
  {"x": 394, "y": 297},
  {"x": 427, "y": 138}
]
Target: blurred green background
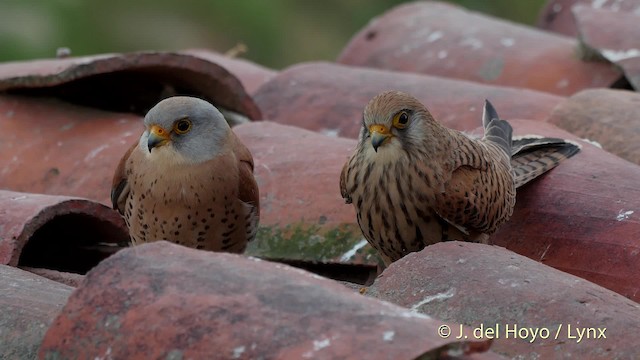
[{"x": 277, "y": 33}]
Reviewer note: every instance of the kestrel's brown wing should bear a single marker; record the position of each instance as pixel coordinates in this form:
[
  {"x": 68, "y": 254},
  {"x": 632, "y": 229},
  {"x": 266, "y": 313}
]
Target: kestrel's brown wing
[
  {"x": 480, "y": 190},
  {"x": 461, "y": 203},
  {"x": 248, "y": 191},
  {"x": 119, "y": 185},
  {"x": 343, "y": 183}
]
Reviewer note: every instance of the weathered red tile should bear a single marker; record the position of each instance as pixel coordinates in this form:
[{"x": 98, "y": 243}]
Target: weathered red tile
[
  {"x": 581, "y": 217},
  {"x": 29, "y": 304},
  {"x": 130, "y": 82},
  {"x": 251, "y": 75},
  {"x": 162, "y": 300},
  {"x": 611, "y": 35},
  {"x": 55, "y": 232},
  {"x": 330, "y": 98},
  {"x": 71, "y": 279},
  {"x": 302, "y": 214},
  {"x": 609, "y": 117},
  {"x": 297, "y": 171},
  {"x": 556, "y": 15},
  {"x": 53, "y": 147},
  {"x": 480, "y": 285},
  {"x": 441, "y": 39}
]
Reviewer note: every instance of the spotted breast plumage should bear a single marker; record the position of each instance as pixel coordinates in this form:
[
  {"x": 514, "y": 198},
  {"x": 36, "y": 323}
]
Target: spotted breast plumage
[
  {"x": 414, "y": 182},
  {"x": 188, "y": 180}
]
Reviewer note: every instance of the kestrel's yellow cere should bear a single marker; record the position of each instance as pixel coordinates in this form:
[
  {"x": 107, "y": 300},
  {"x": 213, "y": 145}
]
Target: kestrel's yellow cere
[
  {"x": 189, "y": 180},
  {"x": 414, "y": 182}
]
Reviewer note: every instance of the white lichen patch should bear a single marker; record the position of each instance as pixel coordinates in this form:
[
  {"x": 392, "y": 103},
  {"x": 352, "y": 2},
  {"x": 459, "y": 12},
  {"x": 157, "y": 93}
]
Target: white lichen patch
[
  {"x": 507, "y": 42},
  {"x": 349, "y": 254},
  {"x": 592, "y": 142},
  {"x": 624, "y": 215},
  {"x": 440, "y": 296},
  {"x": 388, "y": 335},
  {"x": 472, "y": 42},
  {"x": 435, "y": 36},
  {"x": 238, "y": 351},
  {"x": 330, "y": 132},
  {"x": 321, "y": 344},
  {"x": 618, "y": 55},
  {"x": 598, "y": 4},
  {"x": 93, "y": 153}
]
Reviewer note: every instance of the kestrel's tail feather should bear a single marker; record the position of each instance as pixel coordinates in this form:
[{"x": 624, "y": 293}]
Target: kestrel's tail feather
[
  {"x": 533, "y": 155},
  {"x": 496, "y": 130}
]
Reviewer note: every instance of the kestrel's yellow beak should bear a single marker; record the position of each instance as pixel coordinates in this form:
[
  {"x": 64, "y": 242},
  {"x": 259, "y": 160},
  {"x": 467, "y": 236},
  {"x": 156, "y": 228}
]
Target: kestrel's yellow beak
[
  {"x": 158, "y": 136},
  {"x": 379, "y": 134}
]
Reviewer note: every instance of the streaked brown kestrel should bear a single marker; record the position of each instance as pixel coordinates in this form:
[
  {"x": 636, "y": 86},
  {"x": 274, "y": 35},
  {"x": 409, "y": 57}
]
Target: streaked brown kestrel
[
  {"x": 189, "y": 180},
  {"x": 414, "y": 182}
]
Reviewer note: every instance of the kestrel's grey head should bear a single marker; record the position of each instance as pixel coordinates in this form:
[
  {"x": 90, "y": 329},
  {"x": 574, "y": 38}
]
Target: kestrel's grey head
[{"x": 184, "y": 129}]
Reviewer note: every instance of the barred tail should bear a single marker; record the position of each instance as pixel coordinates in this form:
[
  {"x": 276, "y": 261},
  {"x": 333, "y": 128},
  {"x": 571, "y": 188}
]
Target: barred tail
[
  {"x": 496, "y": 130},
  {"x": 533, "y": 155}
]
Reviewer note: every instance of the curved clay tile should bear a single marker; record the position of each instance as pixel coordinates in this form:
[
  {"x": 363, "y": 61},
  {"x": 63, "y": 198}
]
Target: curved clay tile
[
  {"x": 52, "y": 147},
  {"x": 56, "y": 232},
  {"x": 556, "y": 15},
  {"x": 29, "y": 304},
  {"x": 303, "y": 215},
  {"x": 608, "y": 117},
  {"x": 330, "y": 98},
  {"x": 251, "y": 75},
  {"x": 130, "y": 82},
  {"x": 445, "y": 40},
  {"x": 162, "y": 300},
  {"x": 581, "y": 217},
  {"x": 613, "y": 36},
  {"x": 490, "y": 288}
]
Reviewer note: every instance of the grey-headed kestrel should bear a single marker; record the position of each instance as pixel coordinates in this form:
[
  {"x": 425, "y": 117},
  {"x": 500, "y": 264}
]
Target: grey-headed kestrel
[
  {"x": 414, "y": 182},
  {"x": 189, "y": 180}
]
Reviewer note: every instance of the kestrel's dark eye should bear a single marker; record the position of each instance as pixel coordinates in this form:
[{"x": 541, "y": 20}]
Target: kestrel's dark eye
[
  {"x": 182, "y": 126},
  {"x": 401, "y": 119}
]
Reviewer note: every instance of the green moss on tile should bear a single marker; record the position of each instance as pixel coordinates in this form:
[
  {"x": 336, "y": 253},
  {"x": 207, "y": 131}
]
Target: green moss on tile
[{"x": 303, "y": 241}]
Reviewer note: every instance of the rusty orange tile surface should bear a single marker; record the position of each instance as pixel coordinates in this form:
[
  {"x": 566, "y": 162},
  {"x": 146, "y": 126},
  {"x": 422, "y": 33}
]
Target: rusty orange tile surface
[
  {"x": 162, "y": 300},
  {"x": 557, "y": 15},
  {"x": 445, "y": 40},
  {"x": 29, "y": 304},
  {"x": 330, "y": 98},
  {"x": 531, "y": 311},
  {"x": 609, "y": 117},
  {"x": 48, "y": 231},
  {"x": 130, "y": 82},
  {"x": 581, "y": 217}
]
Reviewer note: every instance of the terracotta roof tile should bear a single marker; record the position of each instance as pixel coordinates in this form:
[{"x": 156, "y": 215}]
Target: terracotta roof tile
[
  {"x": 557, "y": 14},
  {"x": 29, "y": 304},
  {"x": 581, "y": 217},
  {"x": 130, "y": 307},
  {"x": 55, "y": 232},
  {"x": 66, "y": 123},
  {"x": 475, "y": 284},
  {"x": 442, "y": 39},
  {"x": 330, "y": 98},
  {"x": 131, "y": 82},
  {"x": 251, "y": 75},
  {"x": 608, "y": 117},
  {"x": 613, "y": 36}
]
